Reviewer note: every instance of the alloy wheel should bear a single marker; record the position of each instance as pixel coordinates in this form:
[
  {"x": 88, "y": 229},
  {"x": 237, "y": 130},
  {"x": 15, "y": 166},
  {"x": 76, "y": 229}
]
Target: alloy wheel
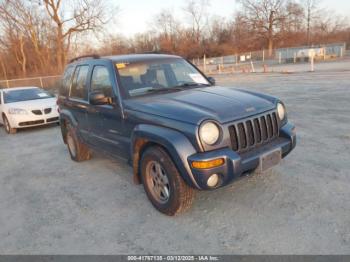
[{"x": 158, "y": 182}]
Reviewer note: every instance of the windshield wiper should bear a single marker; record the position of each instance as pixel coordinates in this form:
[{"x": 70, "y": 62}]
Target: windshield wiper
[
  {"x": 159, "y": 90},
  {"x": 190, "y": 84},
  {"x": 175, "y": 88}
]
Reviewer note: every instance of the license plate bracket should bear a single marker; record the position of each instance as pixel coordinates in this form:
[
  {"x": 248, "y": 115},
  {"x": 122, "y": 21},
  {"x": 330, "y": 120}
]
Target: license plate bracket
[{"x": 269, "y": 160}]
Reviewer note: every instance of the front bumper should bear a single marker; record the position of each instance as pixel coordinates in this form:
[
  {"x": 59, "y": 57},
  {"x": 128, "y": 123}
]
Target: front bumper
[
  {"x": 238, "y": 164},
  {"x": 22, "y": 121}
]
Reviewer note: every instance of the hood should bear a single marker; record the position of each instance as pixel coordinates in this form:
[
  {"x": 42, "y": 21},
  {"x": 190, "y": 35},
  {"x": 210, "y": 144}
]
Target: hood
[
  {"x": 222, "y": 104},
  {"x": 34, "y": 104}
]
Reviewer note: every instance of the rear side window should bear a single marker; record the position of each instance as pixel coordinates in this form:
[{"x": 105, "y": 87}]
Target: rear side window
[
  {"x": 78, "y": 89},
  {"x": 101, "y": 81},
  {"x": 66, "y": 81}
]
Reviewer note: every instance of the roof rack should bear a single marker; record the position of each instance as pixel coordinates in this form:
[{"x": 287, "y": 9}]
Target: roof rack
[
  {"x": 150, "y": 52},
  {"x": 94, "y": 56}
]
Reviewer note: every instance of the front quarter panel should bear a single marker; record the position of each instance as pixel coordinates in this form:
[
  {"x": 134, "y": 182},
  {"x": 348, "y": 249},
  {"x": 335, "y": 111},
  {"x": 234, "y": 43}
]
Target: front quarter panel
[{"x": 176, "y": 144}]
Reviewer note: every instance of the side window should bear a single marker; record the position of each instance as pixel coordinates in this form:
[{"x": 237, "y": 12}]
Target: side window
[
  {"x": 161, "y": 78},
  {"x": 101, "y": 81},
  {"x": 181, "y": 72},
  {"x": 66, "y": 81},
  {"x": 78, "y": 88}
]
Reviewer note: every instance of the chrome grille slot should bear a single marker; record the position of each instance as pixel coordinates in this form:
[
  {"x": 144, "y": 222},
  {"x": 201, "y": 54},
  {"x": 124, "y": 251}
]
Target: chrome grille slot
[
  {"x": 250, "y": 133},
  {"x": 242, "y": 138},
  {"x": 234, "y": 137},
  {"x": 263, "y": 128},
  {"x": 257, "y": 130}
]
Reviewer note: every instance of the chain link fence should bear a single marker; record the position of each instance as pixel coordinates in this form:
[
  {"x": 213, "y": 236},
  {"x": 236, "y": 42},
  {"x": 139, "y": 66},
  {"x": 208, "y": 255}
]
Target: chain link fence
[
  {"x": 248, "y": 61},
  {"x": 50, "y": 83}
]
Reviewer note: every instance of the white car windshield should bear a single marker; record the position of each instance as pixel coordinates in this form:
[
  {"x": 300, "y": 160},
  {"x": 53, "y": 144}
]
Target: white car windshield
[
  {"x": 146, "y": 77},
  {"x": 13, "y": 96}
]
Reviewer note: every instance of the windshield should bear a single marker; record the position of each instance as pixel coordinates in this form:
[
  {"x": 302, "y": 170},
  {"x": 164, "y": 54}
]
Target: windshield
[
  {"x": 164, "y": 75},
  {"x": 13, "y": 96}
]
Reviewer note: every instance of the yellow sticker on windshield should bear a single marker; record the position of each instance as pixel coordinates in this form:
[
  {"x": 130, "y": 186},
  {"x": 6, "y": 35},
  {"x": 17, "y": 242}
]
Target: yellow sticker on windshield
[{"x": 120, "y": 65}]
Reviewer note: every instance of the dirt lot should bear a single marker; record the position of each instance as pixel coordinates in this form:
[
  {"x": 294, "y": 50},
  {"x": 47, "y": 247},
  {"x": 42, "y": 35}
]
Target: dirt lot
[{"x": 49, "y": 204}]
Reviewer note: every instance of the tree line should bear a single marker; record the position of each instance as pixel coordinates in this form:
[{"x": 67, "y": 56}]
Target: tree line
[{"x": 37, "y": 37}]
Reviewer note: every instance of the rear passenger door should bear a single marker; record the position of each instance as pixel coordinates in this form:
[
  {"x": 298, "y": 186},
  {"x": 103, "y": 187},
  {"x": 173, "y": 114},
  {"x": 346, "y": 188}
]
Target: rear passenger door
[
  {"x": 106, "y": 120},
  {"x": 78, "y": 99}
]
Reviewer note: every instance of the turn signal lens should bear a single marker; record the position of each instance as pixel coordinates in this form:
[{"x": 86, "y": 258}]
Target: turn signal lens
[{"x": 208, "y": 164}]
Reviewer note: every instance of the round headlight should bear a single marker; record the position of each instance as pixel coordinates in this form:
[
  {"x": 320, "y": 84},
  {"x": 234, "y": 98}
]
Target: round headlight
[
  {"x": 281, "y": 111},
  {"x": 209, "y": 133}
]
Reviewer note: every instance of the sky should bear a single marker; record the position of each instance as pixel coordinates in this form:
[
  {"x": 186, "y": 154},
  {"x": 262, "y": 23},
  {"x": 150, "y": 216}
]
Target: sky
[{"x": 135, "y": 16}]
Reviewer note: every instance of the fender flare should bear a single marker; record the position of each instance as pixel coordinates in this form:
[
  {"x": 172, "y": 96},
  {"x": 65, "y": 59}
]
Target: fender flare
[
  {"x": 66, "y": 116},
  {"x": 176, "y": 144}
]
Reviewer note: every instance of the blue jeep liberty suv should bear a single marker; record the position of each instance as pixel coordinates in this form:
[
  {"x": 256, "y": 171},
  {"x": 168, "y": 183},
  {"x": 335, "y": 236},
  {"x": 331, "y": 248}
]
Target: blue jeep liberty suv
[{"x": 180, "y": 131}]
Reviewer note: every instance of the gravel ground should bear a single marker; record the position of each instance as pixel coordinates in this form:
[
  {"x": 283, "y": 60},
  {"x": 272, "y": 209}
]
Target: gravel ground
[{"x": 51, "y": 205}]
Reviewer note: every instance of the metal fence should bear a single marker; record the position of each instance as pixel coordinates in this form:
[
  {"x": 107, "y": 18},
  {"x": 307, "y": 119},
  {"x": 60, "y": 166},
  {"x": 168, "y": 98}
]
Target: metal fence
[
  {"x": 46, "y": 82},
  {"x": 247, "y": 60},
  {"x": 321, "y": 52}
]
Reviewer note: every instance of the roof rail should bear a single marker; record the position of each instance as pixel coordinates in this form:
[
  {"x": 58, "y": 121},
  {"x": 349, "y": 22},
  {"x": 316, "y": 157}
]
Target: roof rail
[
  {"x": 93, "y": 56},
  {"x": 151, "y": 52}
]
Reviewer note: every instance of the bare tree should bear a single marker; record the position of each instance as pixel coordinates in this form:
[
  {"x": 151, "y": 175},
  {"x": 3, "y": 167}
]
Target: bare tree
[
  {"x": 198, "y": 13},
  {"x": 169, "y": 30},
  {"x": 294, "y": 21},
  {"x": 311, "y": 10},
  {"x": 15, "y": 40},
  {"x": 166, "y": 23},
  {"x": 36, "y": 36},
  {"x": 265, "y": 16},
  {"x": 31, "y": 26},
  {"x": 85, "y": 15},
  {"x": 3, "y": 67}
]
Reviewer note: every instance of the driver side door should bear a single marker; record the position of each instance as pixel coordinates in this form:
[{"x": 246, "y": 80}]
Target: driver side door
[{"x": 105, "y": 121}]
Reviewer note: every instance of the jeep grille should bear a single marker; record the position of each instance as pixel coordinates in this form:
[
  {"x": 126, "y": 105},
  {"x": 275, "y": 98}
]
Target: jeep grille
[{"x": 253, "y": 132}]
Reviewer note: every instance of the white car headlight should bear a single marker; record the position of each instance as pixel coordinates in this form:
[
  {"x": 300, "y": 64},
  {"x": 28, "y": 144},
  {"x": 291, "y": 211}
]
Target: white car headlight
[
  {"x": 209, "y": 133},
  {"x": 17, "y": 111}
]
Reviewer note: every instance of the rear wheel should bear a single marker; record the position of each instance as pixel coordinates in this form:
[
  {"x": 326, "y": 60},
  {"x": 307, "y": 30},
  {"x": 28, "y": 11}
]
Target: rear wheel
[
  {"x": 77, "y": 150},
  {"x": 8, "y": 127},
  {"x": 163, "y": 184}
]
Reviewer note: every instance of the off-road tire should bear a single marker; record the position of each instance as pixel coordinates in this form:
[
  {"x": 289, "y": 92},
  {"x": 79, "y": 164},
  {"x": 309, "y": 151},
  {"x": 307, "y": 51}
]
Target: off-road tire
[
  {"x": 80, "y": 152},
  {"x": 181, "y": 195},
  {"x": 8, "y": 127}
]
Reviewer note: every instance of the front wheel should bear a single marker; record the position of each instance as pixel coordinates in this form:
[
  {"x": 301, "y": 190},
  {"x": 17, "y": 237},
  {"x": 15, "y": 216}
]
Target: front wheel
[
  {"x": 163, "y": 184},
  {"x": 8, "y": 127}
]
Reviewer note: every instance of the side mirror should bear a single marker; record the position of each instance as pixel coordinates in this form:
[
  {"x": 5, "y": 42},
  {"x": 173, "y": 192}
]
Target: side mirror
[
  {"x": 99, "y": 98},
  {"x": 212, "y": 80}
]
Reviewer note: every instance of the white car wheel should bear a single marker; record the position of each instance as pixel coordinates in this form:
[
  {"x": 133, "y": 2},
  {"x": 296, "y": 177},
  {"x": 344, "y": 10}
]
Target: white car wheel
[{"x": 8, "y": 127}]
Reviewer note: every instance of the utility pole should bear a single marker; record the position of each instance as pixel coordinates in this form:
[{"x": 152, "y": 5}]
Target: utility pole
[{"x": 308, "y": 22}]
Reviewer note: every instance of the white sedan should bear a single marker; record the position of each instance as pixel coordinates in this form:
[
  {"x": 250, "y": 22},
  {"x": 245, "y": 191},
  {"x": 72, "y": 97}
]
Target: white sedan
[{"x": 25, "y": 107}]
